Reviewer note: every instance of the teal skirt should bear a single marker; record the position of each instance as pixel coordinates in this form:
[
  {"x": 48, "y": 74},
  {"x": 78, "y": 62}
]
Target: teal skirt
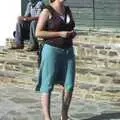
[{"x": 57, "y": 67}]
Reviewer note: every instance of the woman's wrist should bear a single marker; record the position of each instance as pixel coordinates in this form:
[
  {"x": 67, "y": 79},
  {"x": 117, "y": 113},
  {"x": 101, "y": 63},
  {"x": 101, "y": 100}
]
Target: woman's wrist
[{"x": 60, "y": 34}]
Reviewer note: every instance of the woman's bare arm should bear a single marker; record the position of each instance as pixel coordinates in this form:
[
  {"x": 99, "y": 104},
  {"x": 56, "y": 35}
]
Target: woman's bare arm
[{"x": 40, "y": 28}]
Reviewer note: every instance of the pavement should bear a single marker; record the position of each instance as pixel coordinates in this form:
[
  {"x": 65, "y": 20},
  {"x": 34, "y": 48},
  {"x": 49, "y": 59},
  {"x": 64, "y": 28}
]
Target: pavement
[{"x": 21, "y": 102}]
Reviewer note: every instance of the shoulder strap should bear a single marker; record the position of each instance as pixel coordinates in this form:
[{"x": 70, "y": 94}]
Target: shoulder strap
[
  {"x": 51, "y": 10},
  {"x": 67, "y": 12}
]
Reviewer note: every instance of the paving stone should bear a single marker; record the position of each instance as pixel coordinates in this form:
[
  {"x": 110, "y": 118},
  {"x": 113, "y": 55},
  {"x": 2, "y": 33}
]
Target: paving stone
[
  {"x": 23, "y": 100},
  {"x": 28, "y": 107},
  {"x": 81, "y": 116}
]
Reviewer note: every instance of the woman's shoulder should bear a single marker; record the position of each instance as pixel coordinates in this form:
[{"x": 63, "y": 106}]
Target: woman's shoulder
[
  {"x": 45, "y": 10},
  {"x": 49, "y": 10},
  {"x": 48, "y": 7},
  {"x": 46, "y": 13}
]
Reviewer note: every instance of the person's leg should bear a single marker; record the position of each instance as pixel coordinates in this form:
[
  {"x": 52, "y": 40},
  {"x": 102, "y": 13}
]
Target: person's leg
[
  {"x": 45, "y": 102},
  {"x": 33, "y": 40},
  {"x": 69, "y": 83},
  {"x": 22, "y": 32},
  {"x": 66, "y": 99},
  {"x": 46, "y": 78}
]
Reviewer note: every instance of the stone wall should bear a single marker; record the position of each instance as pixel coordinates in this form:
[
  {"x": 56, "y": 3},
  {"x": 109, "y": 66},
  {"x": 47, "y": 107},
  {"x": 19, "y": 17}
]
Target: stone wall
[
  {"x": 18, "y": 65},
  {"x": 97, "y": 68},
  {"x": 98, "y": 65}
]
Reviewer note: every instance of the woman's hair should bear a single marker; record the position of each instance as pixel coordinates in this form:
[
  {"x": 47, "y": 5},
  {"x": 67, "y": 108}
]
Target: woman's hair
[{"x": 52, "y": 1}]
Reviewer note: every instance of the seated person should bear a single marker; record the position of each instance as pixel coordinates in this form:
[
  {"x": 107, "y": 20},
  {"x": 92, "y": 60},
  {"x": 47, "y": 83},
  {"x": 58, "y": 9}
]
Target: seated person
[{"x": 26, "y": 25}]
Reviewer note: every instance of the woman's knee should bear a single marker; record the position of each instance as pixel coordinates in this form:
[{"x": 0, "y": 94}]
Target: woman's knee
[
  {"x": 46, "y": 90},
  {"x": 68, "y": 88}
]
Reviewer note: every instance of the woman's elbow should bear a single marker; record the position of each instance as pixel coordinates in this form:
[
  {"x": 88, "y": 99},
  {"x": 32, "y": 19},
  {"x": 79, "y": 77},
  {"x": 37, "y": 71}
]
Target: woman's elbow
[{"x": 37, "y": 33}]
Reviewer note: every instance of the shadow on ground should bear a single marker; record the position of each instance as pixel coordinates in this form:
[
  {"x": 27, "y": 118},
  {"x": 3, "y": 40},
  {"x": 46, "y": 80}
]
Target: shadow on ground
[{"x": 105, "y": 116}]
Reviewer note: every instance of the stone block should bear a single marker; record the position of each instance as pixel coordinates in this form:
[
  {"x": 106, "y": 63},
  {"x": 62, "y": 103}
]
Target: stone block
[
  {"x": 87, "y": 86},
  {"x": 113, "y": 53},
  {"x": 116, "y": 80},
  {"x": 10, "y": 43},
  {"x": 105, "y": 80},
  {"x": 113, "y": 88}
]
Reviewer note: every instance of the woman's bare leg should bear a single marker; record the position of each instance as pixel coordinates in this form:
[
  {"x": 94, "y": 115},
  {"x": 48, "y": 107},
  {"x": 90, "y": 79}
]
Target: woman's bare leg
[
  {"x": 66, "y": 99},
  {"x": 45, "y": 101}
]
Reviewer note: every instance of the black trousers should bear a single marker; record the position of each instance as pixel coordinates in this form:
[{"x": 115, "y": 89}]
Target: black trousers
[{"x": 25, "y": 30}]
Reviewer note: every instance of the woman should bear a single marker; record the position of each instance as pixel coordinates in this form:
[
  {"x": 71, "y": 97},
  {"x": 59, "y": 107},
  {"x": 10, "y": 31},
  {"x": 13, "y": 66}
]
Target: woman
[{"x": 55, "y": 26}]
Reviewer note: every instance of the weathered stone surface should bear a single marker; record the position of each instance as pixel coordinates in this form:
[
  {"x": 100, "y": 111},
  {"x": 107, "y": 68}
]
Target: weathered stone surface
[
  {"x": 116, "y": 80},
  {"x": 19, "y": 102},
  {"x": 97, "y": 69}
]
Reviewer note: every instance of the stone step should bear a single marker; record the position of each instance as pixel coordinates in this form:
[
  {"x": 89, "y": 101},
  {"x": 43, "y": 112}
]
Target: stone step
[
  {"x": 17, "y": 61},
  {"x": 12, "y": 74},
  {"x": 99, "y": 87},
  {"x": 106, "y": 61},
  {"x": 97, "y": 71},
  {"x": 18, "y": 65}
]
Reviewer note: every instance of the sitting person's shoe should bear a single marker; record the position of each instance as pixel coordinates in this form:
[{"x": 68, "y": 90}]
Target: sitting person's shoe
[{"x": 17, "y": 47}]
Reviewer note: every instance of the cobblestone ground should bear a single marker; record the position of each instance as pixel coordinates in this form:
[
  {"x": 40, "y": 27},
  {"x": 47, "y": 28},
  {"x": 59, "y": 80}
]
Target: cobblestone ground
[{"x": 20, "y": 102}]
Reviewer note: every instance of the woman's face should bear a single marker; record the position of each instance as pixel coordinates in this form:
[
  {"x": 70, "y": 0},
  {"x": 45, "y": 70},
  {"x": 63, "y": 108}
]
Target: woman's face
[{"x": 60, "y": 1}]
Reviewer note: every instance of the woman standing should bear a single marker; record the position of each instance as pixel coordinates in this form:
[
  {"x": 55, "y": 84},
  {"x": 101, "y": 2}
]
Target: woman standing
[{"x": 55, "y": 26}]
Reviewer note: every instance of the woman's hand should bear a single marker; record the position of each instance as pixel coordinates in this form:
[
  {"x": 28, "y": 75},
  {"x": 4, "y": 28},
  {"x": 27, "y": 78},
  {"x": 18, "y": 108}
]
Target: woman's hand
[
  {"x": 24, "y": 18},
  {"x": 73, "y": 34},
  {"x": 67, "y": 34}
]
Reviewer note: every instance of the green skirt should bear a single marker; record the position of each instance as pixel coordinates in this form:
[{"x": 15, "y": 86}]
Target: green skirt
[{"x": 57, "y": 67}]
